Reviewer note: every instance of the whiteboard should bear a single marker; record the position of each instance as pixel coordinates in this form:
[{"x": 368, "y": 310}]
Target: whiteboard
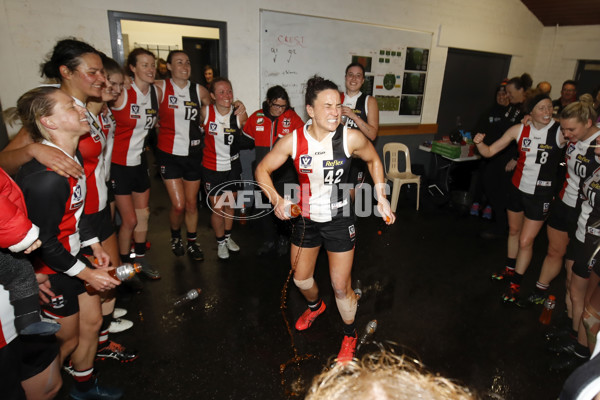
[{"x": 295, "y": 47}]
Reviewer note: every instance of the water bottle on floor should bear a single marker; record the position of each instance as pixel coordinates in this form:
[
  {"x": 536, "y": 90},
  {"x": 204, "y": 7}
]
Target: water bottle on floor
[
  {"x": 549, "y": 305},
  {"x": 186, "y": 298}
]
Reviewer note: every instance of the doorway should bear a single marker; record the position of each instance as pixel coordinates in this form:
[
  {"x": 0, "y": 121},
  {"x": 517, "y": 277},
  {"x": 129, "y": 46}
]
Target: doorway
[
  {"x": 163, "y": 32},
  {"x": 587, "y": 76},
  {"x": 469, "y": 88},
  {"x": 202, "y": 52}
]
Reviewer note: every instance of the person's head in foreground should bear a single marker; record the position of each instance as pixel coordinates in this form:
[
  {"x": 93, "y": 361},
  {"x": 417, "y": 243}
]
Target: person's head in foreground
[{"x": 381, "y": 376}]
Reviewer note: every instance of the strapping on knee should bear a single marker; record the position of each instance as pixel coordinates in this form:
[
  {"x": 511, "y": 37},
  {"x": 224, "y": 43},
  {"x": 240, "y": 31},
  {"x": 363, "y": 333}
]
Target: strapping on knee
[
  {"x": 304, "y": 284},
  {"x": 347, "y": 307},
  {"x": 591, "y": 322},
  {"x": 142, "y": 215}
]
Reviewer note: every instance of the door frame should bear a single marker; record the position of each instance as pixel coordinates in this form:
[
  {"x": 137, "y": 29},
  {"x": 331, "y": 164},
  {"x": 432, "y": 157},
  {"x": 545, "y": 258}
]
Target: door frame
[{"x": 116, "y": 34}]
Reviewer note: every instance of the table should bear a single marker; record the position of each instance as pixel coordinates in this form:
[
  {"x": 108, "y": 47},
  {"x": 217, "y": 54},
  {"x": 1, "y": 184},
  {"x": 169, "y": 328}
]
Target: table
[{"x": 443, "y": 173}]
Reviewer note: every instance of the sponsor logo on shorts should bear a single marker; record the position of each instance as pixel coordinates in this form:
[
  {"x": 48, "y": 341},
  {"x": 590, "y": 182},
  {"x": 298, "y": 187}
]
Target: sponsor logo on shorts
[
  {"x": 351, "y": 231},
  {"x": 546, "y": 207}
]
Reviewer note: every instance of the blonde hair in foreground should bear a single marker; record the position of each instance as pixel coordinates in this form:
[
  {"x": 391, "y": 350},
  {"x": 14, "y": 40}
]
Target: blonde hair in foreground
[{"x": 382, "y": 376}]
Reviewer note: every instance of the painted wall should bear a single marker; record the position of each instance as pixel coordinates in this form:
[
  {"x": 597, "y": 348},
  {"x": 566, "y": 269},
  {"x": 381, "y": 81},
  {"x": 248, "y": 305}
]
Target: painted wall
[
  {"x": 29, "y": 29},
  {"x": 560, "y": 48}
]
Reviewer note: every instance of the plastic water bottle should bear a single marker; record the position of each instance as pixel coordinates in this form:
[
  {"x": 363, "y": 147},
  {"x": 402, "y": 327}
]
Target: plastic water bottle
[
  {"x": 186, "y": 298},
  {"x": 243, "y": 217},
  {"x": 368, "y": 332},
  {"x": 123, "y": 273},
  {"x": 358, "y": 289},
  {"x": 292, "y": 210},
  {"x": 549, "y": 305}
]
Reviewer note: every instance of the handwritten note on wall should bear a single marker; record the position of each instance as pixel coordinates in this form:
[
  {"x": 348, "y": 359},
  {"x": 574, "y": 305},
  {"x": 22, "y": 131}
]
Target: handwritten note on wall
[{"x": 296, "y": 47}]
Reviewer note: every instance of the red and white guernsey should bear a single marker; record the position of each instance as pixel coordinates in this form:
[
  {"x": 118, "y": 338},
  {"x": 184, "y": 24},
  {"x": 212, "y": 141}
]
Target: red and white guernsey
[
  {"x": 581, "y": 163},
  {"x": 539, "y": 155},
  {"x": 108, "y": 125},
  {"x": 179, "y": 113},
  {"x": 222, "y": 140},
  {"x": 55, "y": 204},
  {"x": 323, "y": 168},
  {"x": 92, "y": 146},
  {"x": 135, "y": 118}
]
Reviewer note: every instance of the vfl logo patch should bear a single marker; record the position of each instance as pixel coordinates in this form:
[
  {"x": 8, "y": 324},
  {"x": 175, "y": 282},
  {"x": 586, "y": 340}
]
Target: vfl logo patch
[
  {"x": 287, "y": 122},
  {"x": 134, "y": 111},
  {"x": 76, "y": 197},
  {"x": 212, "y": 128},
  {"x": 305, "y": 164},
  {"x": 570, "y": 149},
  {"x": 526, "y": 142},
  {"x": 172, "y": 101},
  {"x": 351, "y": 231}
]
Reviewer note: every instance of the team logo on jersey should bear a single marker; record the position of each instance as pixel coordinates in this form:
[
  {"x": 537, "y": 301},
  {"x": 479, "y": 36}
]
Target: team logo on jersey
[
  {"x": 172, "y": 101},
  {"x": 134, "y": 111},
  {"x": 305, "y": 164},
  {"x": 287, "y": 122},
  {"x": 76, "y": 197},
  {"x": 526, "y": 144},
  {"x": 260, "y": 121},
  {"x": 571, "y": 148},
  {"x": 212, "y": 128},
  {"x": 351, "y": 231},
  {"x": 57, "y": 301}
]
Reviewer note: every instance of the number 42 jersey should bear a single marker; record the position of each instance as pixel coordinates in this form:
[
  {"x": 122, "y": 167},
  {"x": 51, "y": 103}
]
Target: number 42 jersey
[{"x": 323, "y": 169}]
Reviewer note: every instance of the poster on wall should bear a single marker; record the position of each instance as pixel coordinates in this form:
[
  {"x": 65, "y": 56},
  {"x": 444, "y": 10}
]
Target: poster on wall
[{"x": 395, "y": 76}]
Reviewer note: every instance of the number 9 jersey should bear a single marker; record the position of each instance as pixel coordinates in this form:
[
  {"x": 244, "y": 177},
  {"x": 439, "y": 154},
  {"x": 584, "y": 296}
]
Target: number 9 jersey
[
  {"x": 323, "y": 170},
  {"x": 221, "y": 140}
]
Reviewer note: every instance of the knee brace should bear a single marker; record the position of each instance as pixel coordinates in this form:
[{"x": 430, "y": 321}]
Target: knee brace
[
  {"x": 304, "y": 284},
  {"x": 142, "y": 215},
  {"x": 591, "y": 321},
  {"x": 347, "y": 307}
]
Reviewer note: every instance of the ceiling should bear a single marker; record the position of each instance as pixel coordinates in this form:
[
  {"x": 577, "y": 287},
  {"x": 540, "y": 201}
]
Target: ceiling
[{"x": 565, "y": 12}]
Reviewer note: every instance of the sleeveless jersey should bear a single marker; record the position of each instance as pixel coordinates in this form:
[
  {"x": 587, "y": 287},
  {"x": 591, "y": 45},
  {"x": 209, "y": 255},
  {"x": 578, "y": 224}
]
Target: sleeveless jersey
[
  {"x": 323, "y": 169},
  {"x": 92, "y": 146},
  {"x": 108, "y": 125},
  {"x": 581, "y": 162},
  {"x": 55, "y": 204},
  {"x": 135, "y": 118},
  {"x": 589, "y": 217},
  {"x": 222, "y": 140},
  {"x": 179, "y": 113},
  {"x": 539, "y": 155},
  {"x": 358, "y": 104}
]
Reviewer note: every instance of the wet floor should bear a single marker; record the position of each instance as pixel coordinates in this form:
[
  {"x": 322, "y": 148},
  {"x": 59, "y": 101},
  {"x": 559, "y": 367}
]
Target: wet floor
[{"x": 425, "y": 279}]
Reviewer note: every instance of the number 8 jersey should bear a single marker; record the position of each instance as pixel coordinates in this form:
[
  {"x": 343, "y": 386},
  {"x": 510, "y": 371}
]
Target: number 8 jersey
[
  {"x": 539, "y": 155},
  {"x": 134, "y": 118},
  {"x": 323, "y": 169}
]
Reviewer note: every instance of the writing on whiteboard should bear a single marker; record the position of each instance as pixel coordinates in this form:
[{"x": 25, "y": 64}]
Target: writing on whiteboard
[{"x": 291, "y": 41}]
